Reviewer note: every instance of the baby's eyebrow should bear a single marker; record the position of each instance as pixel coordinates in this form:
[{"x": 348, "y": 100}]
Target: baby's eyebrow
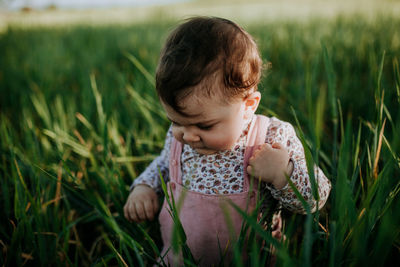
[
  {"x": 196, "y": 123},
  {"x": 206, "y": 122},
  {"x": 171, "y": 120}
]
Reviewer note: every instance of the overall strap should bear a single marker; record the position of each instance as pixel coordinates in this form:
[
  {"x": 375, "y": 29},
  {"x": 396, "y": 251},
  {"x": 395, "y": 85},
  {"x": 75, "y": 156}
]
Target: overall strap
[
  {"x": 256, "y": 137},
  {"x": 175, "y": 161}
]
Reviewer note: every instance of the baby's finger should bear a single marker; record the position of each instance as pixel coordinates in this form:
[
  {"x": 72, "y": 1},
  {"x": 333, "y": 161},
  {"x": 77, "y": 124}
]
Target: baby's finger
[
  {"x": 155, "y": 205},
  {"x": 130, "y": 213},
  {"x": 277, "y": 234},
  {"x": 277, "y": 145},
  {"x": 260, "y": 148},
  {"x": 126, "y": 212},
  {"x": 279, "y": 224},
  {"x": 140, "y": 212},
  {"x": 133, "y": 214},
  {"x": 149, "y": 211},
  {"x": 250, "y": 170}
]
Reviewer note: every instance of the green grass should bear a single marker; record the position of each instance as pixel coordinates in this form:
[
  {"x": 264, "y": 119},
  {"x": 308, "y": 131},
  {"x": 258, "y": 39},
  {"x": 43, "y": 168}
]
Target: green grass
[{"x": 79, "y": 120}]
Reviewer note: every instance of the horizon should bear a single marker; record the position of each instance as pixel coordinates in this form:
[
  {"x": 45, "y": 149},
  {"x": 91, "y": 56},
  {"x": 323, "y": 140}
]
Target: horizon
[{"x": 81, "y": 4}]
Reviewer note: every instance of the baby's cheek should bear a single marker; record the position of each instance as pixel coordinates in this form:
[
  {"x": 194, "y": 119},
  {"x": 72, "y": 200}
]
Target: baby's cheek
[{"x": 177, "y": 136}]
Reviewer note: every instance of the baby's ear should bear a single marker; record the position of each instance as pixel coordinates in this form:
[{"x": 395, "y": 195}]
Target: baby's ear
[{"x": 251, "y": 103}]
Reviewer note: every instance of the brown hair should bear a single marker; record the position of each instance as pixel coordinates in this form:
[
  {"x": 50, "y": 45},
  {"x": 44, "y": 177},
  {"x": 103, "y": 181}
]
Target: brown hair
[{"x": 201, "y": 48}]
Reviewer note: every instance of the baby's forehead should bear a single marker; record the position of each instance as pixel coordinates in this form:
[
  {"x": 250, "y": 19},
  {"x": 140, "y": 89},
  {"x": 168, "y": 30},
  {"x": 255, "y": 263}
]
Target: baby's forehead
[
  {"x": 209, "y": 85},
  {"x": 201, "y": 97},
  {"x": 204, "y": 91}
]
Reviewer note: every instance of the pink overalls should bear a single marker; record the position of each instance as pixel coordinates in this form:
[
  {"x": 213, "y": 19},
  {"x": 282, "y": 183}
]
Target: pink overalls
[{"x": 203, "y": 216}]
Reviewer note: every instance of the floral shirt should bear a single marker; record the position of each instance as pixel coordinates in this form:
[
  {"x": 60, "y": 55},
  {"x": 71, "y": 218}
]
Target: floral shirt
[{"x": 223, "y": 172}]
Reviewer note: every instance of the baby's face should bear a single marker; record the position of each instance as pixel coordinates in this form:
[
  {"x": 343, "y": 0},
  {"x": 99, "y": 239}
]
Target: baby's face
[{"x": 212, "y": 126}]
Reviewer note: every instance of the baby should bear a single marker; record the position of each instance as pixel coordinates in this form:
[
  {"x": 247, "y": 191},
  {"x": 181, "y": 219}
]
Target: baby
[{"x": 207, "y": 81}]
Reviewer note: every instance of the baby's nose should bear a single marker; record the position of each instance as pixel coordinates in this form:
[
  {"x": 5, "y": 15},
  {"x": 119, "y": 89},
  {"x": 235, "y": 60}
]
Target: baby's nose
[{"x": 190, "y": 136}]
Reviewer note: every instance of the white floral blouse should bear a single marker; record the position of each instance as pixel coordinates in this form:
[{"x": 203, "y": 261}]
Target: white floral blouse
[{"x": 223, "y": 172}]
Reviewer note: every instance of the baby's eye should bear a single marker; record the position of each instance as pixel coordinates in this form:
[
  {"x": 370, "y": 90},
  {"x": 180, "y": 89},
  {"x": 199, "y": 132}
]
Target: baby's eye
[{"x": 205, "y": 127}]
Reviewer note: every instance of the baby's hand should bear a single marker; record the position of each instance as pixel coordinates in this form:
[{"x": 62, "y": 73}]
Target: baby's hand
[
  {"x": 271, "y": 164},
  {"x": 142, "y": 204}
]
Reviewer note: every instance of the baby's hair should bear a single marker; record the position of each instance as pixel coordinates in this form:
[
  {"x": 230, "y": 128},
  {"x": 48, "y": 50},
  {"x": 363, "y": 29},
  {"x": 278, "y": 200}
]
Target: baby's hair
[{"x": 204, "y": 48}]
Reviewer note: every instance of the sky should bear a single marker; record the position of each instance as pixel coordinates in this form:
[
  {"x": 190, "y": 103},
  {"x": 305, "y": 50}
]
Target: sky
[{"x": 80, "y": 4}]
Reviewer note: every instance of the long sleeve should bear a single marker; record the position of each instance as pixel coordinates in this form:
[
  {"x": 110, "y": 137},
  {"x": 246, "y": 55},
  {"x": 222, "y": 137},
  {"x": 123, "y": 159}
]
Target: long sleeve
[
  {"x": 151, "y": 176},
  {"x": 284, "y": 133}
]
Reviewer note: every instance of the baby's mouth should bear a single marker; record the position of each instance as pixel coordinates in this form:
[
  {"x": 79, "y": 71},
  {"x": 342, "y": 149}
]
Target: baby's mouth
[
  {"x": 201, "y": 149},
  {"x": 196, "y": 145}
]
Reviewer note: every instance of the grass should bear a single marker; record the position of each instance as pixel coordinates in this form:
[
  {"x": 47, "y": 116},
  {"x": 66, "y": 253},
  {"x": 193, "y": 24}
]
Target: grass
[{"x": 79, "y": 120}]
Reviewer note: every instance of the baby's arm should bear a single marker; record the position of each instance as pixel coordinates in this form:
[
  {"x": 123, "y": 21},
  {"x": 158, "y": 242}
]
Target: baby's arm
[
  {"x": 142, "y": 203},
  {"x": 285, "y": 156}
]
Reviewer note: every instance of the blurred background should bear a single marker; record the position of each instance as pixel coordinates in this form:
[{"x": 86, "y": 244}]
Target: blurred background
[
  {"x": 79, "y": 120},
  {"x": 57, "y": 12}
]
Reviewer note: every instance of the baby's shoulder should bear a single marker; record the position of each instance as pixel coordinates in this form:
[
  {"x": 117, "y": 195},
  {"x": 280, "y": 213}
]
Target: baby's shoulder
[
  {"x": 277, "y": 127},
  {"x": 275, "y": 123}
]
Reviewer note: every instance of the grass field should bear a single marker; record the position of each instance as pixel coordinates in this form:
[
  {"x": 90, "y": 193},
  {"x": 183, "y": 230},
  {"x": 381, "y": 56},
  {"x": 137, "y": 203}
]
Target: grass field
[{"x": 79, "y": 120}]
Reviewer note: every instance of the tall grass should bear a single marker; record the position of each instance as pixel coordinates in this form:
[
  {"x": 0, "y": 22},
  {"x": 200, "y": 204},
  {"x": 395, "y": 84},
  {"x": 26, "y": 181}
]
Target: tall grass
[{"x": 79, "y": 121}]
